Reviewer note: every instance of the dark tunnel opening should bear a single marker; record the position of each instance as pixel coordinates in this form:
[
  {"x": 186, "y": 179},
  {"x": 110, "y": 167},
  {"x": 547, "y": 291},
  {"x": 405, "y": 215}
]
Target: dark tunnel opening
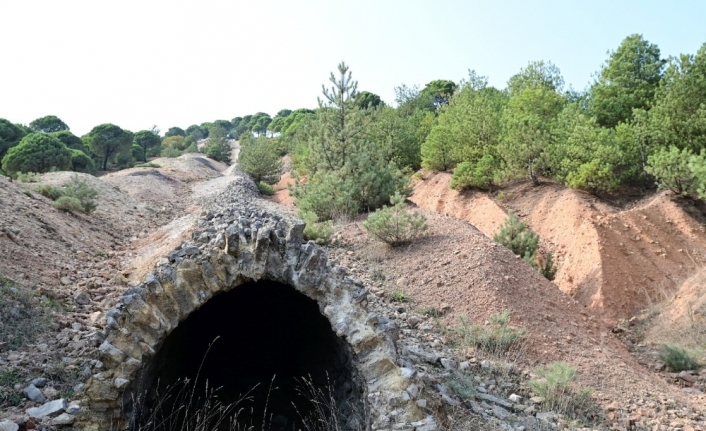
[{"x": 256, "y": 332}]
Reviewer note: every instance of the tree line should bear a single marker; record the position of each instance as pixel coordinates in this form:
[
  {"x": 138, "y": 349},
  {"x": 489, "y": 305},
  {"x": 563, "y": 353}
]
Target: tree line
[{"x": 640, "y": 124}]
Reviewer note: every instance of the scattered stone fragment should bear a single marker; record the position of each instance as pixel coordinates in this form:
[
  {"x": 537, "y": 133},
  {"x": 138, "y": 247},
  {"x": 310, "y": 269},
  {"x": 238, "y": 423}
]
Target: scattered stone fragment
[
  {"x": 546, "y": 416},
  {"x": 63, "y": 419},
  {"x": 51, "y": 408},
  {"x": 501, "y": 413},
  {"x": 6, "y": 425},
  {"x": 34, "y": 394},
  {"x": 39, "y": 382},
  {"x": 82, "y": 298}
]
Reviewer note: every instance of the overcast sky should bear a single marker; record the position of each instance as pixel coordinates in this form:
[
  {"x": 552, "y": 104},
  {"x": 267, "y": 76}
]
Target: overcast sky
[{"x": 176, "y": 63}]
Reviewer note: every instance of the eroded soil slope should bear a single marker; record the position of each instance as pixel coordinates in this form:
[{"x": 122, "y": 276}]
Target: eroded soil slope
[{"x": 614, "y": 260}]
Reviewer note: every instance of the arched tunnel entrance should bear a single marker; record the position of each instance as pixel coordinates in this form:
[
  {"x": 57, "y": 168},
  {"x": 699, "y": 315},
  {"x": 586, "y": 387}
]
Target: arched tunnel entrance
[{"x": 257, "y": 332}]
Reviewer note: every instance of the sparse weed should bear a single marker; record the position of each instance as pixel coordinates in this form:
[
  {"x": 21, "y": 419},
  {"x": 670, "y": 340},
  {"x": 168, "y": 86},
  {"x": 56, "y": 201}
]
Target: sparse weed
[
  {"x": 431, "y": 312},
  {"x": 68, "y": 204},
  {"x": 398, "y": 297},
  {"x": 496, "y": 338},
  {"x": 22, "y": 317},
  {"x": 49, "y": 191},
  {"x": 29, "y": 177},
  {"x": 555, "y": 384},
  {"x": 28, "y": 194},
  {"x": 678, "y": 358},
  {"x": 9, "y": 397},
  {"x": 148, "y": 165}
]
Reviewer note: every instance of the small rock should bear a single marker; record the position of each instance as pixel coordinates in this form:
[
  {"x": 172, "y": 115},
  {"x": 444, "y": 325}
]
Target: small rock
[
  {"x": 51, "y": 393},
  {"x": 65, "y": 281},
  {"x": 692, "y": 391},
  {"x": 501, "y": 413},
  {"x": 62, "y": 419},
  {"x": 449, "y": 364},
  {"x": 39, "y": 382},
  {"x": 49, "y": 409},
  {"x": 407, "y": 373},
  {"x": 74, "y": 408},
  {"x": 120, "y": 383},
  {"x": 529, "y": 410},
  {"x": 82, "y": 298},
  {"x": 515, "y": 398},
  {"x": 422, "y": 403},
  {"x": 537, "y": 400},
  {"x": 687, "y": 377},
  {"x": 6, "y": 425},
  {"x": 34, "y": 394},
  {"x": 546, "y": 416}
]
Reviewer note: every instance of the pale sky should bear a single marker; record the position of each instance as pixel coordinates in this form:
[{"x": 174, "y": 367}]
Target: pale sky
[{"x": 176, "y": 63}]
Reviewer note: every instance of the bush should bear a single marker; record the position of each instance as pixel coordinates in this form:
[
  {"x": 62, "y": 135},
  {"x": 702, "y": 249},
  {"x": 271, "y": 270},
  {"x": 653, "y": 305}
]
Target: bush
[
  {"x": 320, "y": 233},
  {"x": 170, "y": 152},
  {"x": 480, "y": 174},
  {"x": 259, "y": 158},
  {"x": 37, "y": 152},
  {"x": 555, "y": 384},
  {"x": 265, "y": 188},
  {"x": 497, "y": 338},
  {"x": 327, "y": 196},
  {"x": 395, "y": 225},
  {"x": 517, "y": 236},
  {"x": 192, "y": 148},
  {"x": 548, "y": 270},
  {"x": 80, "y": 189},
  {"x": 137, "y": 152},
  {"x": 148, "y": 165},
  {"x": 80, "y": 162},
  {"x": 49, "y": 191},
  {"x": 678, "y": 358},
  {"x": 671, "y": 167},
  {"x": 68, "y": 204},
  {"x": 177, "y": 142},
  {"x": 29, "y": 177},
  {"x": 124, "y": 160}
]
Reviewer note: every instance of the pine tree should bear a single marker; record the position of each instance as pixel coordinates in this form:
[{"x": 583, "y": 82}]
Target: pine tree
[
  {"x": 517, "y": 236},
  {"x": 395, "y": 225},
  {"x": 259, "y": 158}
]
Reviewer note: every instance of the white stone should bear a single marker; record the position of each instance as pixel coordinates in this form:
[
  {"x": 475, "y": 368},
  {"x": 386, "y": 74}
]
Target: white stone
[
  {"x": 6, "y": 425},
  {"x": 63, "y": 419},
  {"x": 49, "y": 409}
]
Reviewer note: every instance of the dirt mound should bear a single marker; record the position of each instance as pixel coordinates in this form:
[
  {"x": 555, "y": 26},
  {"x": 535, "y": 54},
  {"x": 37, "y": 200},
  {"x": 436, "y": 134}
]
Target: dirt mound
[
  {"x": 683, "y": 320},
  {"x": 458, "y": 271},
  {"x": 616, "y": 261}
]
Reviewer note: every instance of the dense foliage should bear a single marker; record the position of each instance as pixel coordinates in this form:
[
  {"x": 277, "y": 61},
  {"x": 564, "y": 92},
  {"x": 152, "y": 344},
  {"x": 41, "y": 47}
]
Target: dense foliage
[{"x": 37, "y": 152}]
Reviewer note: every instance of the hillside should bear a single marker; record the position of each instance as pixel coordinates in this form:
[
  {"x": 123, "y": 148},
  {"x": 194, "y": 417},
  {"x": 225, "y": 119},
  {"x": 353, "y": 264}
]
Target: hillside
[{"x": 612, "y": 259}]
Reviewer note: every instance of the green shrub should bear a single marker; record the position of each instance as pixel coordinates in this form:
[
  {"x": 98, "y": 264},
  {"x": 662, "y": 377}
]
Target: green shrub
[
  {"x": 172, "y": 152},
  {"x": 548, "y": 270},
  {"x": 124, "y": 160},
  {"x": 79, "y": 189},
  {"x": 327, "y": 196},
  {"x": 148, "y": 165},
  {"x": 671, "y": 167},
  {"x": 319, "y": 232},
  {"x": 258, "y": 157},
  {"x": 555, "y": 383},
  {"x": 480, "y": 174},
  {"x": 29, "y": 177},
  {"x": 37, "y": 152},
  {"x": 80, "y": 162},
  {"x": 395, "y": 225},
  {"x": 192, "y": 148},
  {"x": 137, "y": 152},
  {"x": 49, "y": 191},
  {"x": 265, "y": 188},
  {"x": 517, "y": 236},
  {"x": 68, "y": 204},
  {"x": 496, "y": 338},
  {"x": 678, "y": 358}
]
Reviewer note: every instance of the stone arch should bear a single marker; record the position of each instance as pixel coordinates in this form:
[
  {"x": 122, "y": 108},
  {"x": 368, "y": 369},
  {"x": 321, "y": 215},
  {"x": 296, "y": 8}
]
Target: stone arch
[{"x": 233, "y": 248}]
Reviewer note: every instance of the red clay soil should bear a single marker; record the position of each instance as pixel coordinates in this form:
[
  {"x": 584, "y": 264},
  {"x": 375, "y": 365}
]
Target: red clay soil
[
  {"x": 615, "y": 261},
  {"x": 461, "y": 272}
]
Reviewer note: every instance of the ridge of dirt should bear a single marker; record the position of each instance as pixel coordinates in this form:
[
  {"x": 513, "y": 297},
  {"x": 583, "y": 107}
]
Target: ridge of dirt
[
  {"x": 458, "y": 271},
  {"x": 615, "y": 261}
]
